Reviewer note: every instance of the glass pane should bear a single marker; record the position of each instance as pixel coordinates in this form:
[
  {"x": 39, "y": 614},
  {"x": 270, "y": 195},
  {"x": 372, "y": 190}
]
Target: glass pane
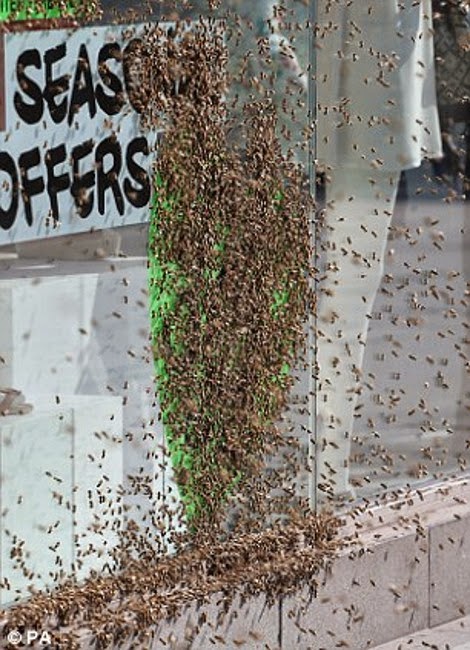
[
  {"x": 216, "y": 353},
  {"x": 113, "y": 337},
  {"x": 392, "y": 316}
]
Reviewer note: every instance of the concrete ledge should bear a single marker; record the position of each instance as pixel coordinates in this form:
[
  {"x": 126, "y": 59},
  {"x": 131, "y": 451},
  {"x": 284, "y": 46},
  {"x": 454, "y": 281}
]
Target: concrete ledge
[
  {"x": 370, "y": 596},
  {"x": 402, "y": 575},
  {"x": 450, "y": 571},
  {"x": 251, "y": 623}
]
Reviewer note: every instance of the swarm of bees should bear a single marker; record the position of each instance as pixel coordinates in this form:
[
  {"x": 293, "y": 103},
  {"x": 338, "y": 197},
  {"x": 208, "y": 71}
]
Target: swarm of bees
[
  {"x": 115, "y": 609},
  {"x": 238, "y": 293},
  {"x": 232, "y": 268}
]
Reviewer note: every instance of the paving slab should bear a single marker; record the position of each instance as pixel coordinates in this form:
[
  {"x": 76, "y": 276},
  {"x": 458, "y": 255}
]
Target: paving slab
[{"x": 451, "y": 636}]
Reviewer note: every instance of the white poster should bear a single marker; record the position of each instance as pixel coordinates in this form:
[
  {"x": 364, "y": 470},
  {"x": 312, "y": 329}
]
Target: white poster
[{"x": 73, "y": 155}]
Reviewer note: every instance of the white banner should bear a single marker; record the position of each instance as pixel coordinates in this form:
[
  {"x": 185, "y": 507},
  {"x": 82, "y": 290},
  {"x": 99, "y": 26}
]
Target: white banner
[{"x": 73, "y": 156}]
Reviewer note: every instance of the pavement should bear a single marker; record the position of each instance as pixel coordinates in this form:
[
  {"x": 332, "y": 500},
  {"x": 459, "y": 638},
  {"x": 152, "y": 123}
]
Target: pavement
[{"x": 451, "y": 636}]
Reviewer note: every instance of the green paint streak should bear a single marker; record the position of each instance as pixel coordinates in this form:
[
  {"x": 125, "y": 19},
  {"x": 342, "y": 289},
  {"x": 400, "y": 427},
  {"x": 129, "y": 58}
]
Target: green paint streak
[{"x": 31, "y": 10}]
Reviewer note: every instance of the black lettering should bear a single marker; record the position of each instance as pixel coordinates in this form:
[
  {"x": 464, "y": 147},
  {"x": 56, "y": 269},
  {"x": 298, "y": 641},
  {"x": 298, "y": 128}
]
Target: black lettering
[
  {"x": 109, "y": 179},
  {"x": 140, "y": 195},
  {"x": 30, "y": 113},
  {"x": 82, "y": 183},
  {"x": 110, "y": 104},
  {"x": 56, "y": 184},
  {"x": 8, "y": 216},
  {"x": 82, "y": 91},
  {"x": 55, "y": 87},
  {"x": 30, "y": 186}
]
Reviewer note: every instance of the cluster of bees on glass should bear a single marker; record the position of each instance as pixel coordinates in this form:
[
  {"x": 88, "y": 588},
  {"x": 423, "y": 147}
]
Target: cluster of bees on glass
[{"x": 234, "y": 257}]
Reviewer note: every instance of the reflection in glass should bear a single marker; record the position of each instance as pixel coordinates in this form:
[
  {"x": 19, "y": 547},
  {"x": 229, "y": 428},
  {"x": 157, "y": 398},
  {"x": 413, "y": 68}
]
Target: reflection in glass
[{"x": 390, "y": 368}]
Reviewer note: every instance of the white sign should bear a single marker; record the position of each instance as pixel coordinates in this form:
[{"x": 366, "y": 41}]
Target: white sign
[{"x": 73, "y": 156}]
